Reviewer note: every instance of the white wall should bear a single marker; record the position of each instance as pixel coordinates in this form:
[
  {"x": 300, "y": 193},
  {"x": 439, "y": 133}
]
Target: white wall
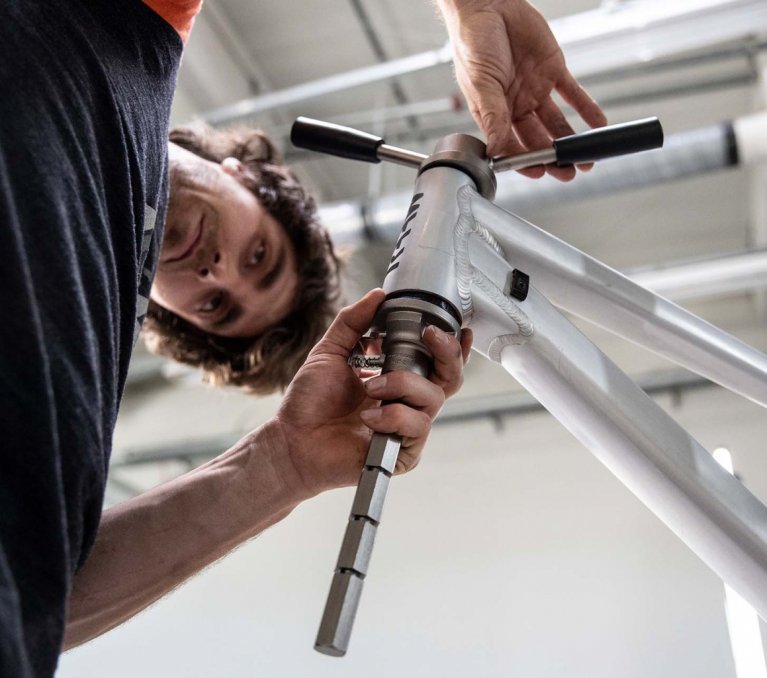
[{"x": 510, "y": 553}]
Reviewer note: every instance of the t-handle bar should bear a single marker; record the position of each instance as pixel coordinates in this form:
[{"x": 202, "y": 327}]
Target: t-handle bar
[
  {"x": 595, "y": 144},
  {"x": 346, "y": 142}
]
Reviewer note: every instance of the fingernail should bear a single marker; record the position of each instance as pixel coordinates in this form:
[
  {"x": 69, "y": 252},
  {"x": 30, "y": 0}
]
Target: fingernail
[
  {"x": 372, "y": 414},
  {"x": 376, "y": 384},
  {"x": 439, "y": 335}
]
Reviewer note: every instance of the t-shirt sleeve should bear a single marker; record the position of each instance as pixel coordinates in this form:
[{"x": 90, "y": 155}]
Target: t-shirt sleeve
[{"x": 178, "y": 13}]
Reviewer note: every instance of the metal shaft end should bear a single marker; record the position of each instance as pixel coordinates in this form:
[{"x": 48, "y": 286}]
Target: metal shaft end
[{"x": 338, "y": 618}]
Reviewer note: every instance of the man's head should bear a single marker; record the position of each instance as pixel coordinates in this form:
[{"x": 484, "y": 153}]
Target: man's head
[{"x": 247, "y": 279}]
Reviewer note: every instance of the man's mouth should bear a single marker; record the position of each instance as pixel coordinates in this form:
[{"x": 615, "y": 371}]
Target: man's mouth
[{"x": 186, "y": 247}]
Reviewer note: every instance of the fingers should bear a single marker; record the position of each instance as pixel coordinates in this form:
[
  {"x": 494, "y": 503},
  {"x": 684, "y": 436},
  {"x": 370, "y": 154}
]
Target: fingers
[
  {"x": 535, "y": 136},
  {"x": 549, "y": 123},
  {"x": 467, "y": 337},
  {"x": 419, "y": 399},
  {"x": 575, "y": 95},
  {"x": 535, "y": 130},
  {"x": 412, "y": 426},
  {"x": 553, "y": 119},
  {"x": 400, "y": 419},
  {"x": 556, "y": 124},
  {"x": 532, "y": 132},
  {"x": 488, "y": 106},
  {"x": 449, "y": 357},
  {"x": 350, "y": 324},
  {"x": 408, "y": 388}
]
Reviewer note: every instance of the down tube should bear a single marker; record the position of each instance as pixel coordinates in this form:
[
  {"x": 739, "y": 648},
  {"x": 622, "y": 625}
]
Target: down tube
[{"x": 671, "y": 473}]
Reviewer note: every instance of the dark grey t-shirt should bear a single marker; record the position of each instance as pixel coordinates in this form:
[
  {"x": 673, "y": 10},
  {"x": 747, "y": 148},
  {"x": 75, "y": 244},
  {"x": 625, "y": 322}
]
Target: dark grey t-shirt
[{"x": 85, "y": 94}]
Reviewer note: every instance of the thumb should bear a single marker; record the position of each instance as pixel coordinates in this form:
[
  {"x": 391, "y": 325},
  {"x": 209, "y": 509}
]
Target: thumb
[{"x": 350, "y": 324}]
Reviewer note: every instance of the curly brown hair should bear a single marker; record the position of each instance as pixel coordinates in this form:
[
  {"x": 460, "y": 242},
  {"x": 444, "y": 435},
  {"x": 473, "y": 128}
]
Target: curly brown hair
[{"x": 268, "y": 361}]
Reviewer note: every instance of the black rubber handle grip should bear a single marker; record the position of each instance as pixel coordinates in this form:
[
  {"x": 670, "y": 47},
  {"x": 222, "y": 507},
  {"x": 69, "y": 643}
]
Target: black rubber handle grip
[
  {"x": 325, "y": 137},
  {"x": 607, "y": 142}
]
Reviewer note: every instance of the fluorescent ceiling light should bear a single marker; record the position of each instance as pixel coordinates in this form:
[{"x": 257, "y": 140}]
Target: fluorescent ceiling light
[{"x": 628, "y": 33}]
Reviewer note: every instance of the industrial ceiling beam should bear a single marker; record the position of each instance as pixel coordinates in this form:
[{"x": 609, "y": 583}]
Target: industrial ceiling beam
[
  {"x": 596, "y": 42},
  {"x": 745, "y": 73},
  {"x": 614, "y": 37},
  {"x": 685, "y": 154},
  {"x": 324, "y": 86}
]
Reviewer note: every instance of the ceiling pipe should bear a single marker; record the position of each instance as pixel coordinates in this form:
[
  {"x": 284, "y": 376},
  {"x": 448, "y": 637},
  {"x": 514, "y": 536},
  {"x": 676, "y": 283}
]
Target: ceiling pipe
[
  {"x": 597, "y": 42},
  {"x": 449, "y": 104},
  {"x": 745, "y": 75},
  {"x": 685, "y": 154},
  {"x": 324, "y": 86},
  {"x": 461, "y": 120},
  {"x": 707, "y": 278}
]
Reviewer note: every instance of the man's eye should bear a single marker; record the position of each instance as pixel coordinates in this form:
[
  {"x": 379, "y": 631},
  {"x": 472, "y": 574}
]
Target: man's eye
[
  {"x": 258, "y": 254},
  {"x": 211, "y": 304}
]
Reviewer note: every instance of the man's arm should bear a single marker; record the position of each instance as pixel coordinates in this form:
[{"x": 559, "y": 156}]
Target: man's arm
[
  {"x": 151, "y": 544},
  {"x": 508, "y": 64},
  {"x": 148, "y": 545}
]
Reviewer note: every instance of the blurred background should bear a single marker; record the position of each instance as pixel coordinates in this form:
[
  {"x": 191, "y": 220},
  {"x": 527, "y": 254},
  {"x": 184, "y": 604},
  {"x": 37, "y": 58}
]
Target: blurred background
[{"x": 511, "y": 550}]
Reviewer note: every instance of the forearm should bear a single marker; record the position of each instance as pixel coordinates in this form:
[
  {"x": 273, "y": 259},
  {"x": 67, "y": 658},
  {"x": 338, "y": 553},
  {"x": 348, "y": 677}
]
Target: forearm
[{"x": 151, "y": 544}]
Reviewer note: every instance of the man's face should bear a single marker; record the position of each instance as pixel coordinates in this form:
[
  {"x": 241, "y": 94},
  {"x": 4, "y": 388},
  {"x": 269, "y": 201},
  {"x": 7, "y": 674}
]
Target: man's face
[{"x": 226, "y": 265}]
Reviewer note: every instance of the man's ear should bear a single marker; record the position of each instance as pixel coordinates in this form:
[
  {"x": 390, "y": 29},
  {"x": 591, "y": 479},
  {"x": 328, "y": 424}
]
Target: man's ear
[{"x": 235, "y": 168}]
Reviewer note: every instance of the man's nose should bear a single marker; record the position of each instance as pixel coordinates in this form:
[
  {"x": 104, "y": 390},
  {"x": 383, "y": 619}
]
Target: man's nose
[
  {"x": 211, "y": 266},
  {"x": 223, "y": 271}
]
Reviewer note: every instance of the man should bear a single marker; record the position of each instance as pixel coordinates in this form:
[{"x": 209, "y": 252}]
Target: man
[
  {"x": 241, "y": 238},
  {"x": 87, "y": 87}
]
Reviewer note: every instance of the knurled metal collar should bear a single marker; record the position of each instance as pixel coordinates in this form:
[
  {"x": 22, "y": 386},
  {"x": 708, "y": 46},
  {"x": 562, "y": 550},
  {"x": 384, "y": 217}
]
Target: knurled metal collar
[
  {"x": 432, "y": 313},
  {"x": 467, "y": 154}
]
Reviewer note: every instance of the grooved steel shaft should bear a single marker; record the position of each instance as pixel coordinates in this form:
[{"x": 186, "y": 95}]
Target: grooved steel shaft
[
  {"x": 346, "y": 587},
  {"x": 404, "y": 320}
]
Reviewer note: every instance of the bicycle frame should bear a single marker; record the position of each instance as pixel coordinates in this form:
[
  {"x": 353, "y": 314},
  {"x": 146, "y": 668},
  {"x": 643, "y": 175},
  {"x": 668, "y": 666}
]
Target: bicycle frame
[{"x": 672, "y": 474}]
